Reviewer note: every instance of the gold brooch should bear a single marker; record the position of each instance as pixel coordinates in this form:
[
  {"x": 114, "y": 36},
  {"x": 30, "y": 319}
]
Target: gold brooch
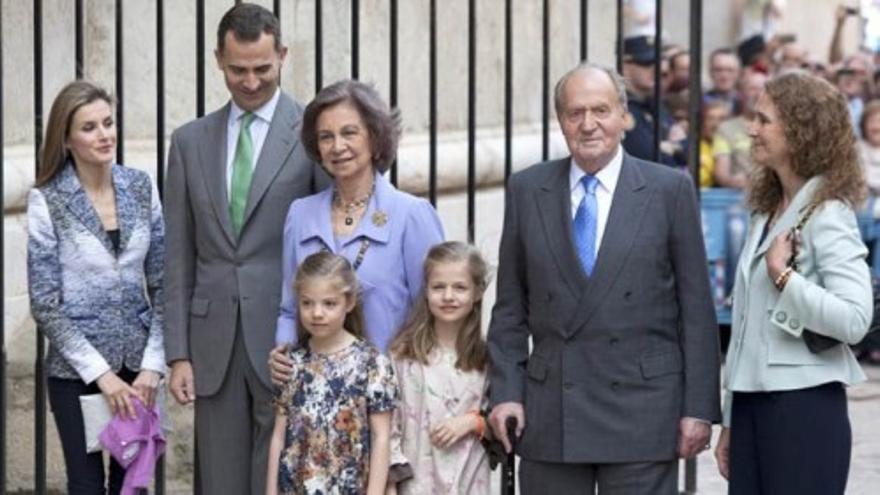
[{"x": 380, "y": 218}]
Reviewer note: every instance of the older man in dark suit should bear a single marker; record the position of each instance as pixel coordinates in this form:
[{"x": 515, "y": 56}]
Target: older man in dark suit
[
  {"x": 602, "y": 264},
  {"x": 231, "y": 178}
]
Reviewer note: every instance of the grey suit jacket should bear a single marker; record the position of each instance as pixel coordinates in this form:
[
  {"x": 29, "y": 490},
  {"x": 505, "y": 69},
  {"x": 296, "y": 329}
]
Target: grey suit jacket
[
  {"x": 620, "y": 357},
  {"x": 213, "y": 278}
]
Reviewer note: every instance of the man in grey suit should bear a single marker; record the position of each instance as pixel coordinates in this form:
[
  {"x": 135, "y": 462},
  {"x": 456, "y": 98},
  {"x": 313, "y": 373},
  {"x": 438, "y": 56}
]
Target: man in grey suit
[
  {"x": 602, "y": 264},
  {"x": 231, "y": 178}
]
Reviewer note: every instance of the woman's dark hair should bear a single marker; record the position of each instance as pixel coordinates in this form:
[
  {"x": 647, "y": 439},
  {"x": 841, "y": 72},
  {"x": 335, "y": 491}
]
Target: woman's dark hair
[
  {"x": 382, "y": 122},
  {"x": 53, "y": 154}
]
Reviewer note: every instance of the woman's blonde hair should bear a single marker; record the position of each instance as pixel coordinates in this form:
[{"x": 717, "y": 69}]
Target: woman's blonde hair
[
  {"x": 53, "y": 154},
  {"x": 417, "y": 339},
  {"x": 820, "y": 140},
  {"x": 324, "y": 265}
]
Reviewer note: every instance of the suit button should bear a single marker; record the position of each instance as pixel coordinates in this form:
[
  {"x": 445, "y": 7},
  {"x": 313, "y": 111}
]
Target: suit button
[
  {"x": 614, "y": 341},
  {"x": 781, "y": 317},
  {"x": 627, "y": 294},
  {"x": 794, "y": 323},
  {"x": 615, "y": 385}
]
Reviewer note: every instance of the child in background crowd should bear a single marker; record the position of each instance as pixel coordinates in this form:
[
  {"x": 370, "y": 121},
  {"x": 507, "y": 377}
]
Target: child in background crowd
[
  {"x": 440, "y": 360},
  {"x": 333, "y": 418}
]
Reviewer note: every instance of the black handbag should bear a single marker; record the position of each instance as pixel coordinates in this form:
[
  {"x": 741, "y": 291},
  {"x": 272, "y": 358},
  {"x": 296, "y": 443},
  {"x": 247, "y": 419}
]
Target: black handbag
[{"x": 817, "y": 342}]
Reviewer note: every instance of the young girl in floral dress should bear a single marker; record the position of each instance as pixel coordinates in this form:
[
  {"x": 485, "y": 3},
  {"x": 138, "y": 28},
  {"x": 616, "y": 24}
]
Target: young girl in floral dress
[
  {"x": 440, "y": 358},
  {"x": 334, "y": 415}
]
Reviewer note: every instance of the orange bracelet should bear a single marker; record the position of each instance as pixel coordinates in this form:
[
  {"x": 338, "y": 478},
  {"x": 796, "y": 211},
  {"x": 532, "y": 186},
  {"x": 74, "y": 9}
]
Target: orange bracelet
[{"x": 481, "y": 423}]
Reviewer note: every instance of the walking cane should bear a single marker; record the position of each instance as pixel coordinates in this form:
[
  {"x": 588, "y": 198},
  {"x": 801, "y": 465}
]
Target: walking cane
[{"x": 508, "y": 474}]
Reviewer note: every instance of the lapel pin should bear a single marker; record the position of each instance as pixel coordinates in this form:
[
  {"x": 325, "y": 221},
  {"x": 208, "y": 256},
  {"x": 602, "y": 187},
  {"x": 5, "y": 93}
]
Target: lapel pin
[{"x": 380, "y": 218}]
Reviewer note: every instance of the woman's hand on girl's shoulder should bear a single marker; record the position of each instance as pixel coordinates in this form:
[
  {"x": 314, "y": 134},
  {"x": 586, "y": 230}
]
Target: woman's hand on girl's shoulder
[{"x": 280, "y": 365}]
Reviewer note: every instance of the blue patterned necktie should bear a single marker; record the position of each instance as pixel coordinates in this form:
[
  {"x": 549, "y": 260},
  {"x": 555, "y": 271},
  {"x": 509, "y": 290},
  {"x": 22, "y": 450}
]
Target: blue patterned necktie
[{"x": 585, "y": 225}]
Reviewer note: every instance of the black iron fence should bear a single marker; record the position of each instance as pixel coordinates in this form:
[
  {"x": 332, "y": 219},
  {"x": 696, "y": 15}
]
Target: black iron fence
[{"x": 432, "y": 91}]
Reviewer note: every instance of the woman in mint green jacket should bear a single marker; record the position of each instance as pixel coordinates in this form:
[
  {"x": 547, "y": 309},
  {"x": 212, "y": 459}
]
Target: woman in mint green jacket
[{"x": 802, "y": 294}]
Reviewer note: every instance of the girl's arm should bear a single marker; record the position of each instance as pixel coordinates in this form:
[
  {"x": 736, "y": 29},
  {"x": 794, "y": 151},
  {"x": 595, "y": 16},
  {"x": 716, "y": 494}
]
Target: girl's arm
[
  {"x": 275, "y": 446},
  {"x": 380, "y": 452}
]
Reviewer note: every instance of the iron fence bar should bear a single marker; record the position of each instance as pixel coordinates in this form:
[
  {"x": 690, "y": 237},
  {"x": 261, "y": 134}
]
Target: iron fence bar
[
  {"x": 355, "y": 38},
  {"x": 160, "y": 161},
  {"x": 2, "y": 298},
  {"x": 160, "y": 97},
  {"x": 276, "y": 8},
  {"x": 319, "y": 42},
  {"x": 618, "y": 45},
  {"x": 545, "y": 81},
  {"x": 432, "y": 103},
  {"x": 584, "y": 29},
  {"x": 120, "y": 86},
  {"x": 200, "y": 58},
  {"x": 658, "y": 51},
  {"x": 39, "y": 371},
  {"x": 393, "y": 75},
  {"x": 78, "y": 39},
  {"x": 508, "y": 89},
  {"x": 472, "y": 120}
]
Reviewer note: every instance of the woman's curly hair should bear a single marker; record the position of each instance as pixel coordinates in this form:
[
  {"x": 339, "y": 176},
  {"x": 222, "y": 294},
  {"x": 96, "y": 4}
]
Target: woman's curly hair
[{"x": 820, "y": 140}]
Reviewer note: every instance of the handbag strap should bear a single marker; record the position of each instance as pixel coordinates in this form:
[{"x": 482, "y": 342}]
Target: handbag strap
[{"x": 792, "y": 262}]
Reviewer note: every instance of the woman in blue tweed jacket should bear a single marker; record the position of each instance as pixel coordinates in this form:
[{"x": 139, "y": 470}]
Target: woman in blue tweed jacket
[{"x": 95, "y": 254}]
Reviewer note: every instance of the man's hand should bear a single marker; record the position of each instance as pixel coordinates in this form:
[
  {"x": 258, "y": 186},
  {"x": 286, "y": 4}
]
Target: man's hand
[
  {"x": 693, "y": 437},
  {"x": 181, "y": 382},
  {"x": 722, "y": 453},
  {"x": 499, "y": 416},
  {"x": 280, "y": 365}
]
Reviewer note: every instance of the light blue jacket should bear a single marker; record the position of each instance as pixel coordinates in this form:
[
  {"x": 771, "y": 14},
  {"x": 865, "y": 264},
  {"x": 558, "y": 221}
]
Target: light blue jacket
[
  {"x": 400, "y": 228},
  {"x": 100, "y": 310},
  {"x": 830, "y": 294}
]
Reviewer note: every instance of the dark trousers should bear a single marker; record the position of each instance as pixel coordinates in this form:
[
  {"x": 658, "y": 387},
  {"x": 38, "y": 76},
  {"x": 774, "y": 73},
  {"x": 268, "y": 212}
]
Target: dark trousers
[
  {"x": 85, "y": 472},
  {"x": 543, "y": 478},
  {"x": 794, "y": 442}
]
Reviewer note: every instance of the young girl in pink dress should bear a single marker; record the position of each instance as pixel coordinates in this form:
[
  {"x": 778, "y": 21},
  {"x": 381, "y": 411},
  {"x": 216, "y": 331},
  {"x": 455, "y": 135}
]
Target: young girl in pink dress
[
  {"x": 440, "y": 360},
  {"x": 334, "y": 415}
]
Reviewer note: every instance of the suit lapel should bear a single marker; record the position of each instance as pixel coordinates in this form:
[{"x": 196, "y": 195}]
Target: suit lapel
[
  {"x": 213, "y": 159},
  {"x": 79, "y": 205},
  {"x": 126, "y": 211},
  {"x": 791, "y": 216},
  {"x": 280, "y": 141},
  {"x": 553, "y": 202},
  {"x": 627, "y": 208}
]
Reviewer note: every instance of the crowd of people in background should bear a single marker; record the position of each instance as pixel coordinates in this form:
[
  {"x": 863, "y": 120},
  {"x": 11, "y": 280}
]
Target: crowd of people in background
[{"x": 737, "y": 77}]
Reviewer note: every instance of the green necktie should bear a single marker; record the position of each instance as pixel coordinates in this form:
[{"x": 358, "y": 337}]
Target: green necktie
[{"x": 241, "y": 172}]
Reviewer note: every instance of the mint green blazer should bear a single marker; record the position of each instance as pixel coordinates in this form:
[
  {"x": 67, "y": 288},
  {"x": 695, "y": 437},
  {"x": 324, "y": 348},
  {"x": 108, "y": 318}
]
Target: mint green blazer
[{"x": 830, "y": 295}]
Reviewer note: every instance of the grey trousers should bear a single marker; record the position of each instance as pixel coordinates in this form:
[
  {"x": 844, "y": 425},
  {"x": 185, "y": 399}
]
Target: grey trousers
[
  {"x": 233, "y": 430},
  {"x": 642, "y": 478}
]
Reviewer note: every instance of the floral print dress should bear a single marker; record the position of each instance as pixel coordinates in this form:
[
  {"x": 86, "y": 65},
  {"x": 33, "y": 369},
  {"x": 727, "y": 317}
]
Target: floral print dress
[{"x": 328, "y": 402}]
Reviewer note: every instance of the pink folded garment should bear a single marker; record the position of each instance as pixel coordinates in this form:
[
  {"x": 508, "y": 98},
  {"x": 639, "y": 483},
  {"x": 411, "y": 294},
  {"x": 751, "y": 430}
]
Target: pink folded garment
[{"x": 136, "y": 444}]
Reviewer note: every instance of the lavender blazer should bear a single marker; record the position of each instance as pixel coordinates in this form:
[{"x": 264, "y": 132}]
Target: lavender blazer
[
  {"x": 100, "y": 310},
  {"x": 391, "y": 272}
]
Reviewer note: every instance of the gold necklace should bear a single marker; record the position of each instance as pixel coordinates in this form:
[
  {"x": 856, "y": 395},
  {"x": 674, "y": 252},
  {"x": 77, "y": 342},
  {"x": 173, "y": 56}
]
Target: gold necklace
[{"x": 352, "y": 206}]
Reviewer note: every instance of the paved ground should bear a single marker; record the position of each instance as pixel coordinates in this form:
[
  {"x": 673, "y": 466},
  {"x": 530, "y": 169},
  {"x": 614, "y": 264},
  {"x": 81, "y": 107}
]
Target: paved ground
[{"x": 864, "y": 412}]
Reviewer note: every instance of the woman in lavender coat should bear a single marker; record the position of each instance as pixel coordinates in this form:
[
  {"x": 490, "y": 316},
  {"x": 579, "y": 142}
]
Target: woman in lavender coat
[{"x": 385, "y": 233}]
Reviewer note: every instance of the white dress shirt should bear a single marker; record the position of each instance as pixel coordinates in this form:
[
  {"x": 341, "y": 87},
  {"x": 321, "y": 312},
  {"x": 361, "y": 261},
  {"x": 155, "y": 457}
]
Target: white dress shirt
[
  {"x": 259, "y": 130},
  {"x": 607, "y": 178}
]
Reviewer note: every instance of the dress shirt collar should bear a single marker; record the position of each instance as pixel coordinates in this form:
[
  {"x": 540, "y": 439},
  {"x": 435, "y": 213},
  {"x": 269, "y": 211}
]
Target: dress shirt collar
[
  {"x": 264, "y": 113},
  {"x": 607, "y": 176}
]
